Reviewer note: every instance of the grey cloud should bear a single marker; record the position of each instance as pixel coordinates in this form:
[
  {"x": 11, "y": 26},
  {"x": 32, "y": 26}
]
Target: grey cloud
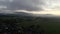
[{"x": 30, "y": 5}]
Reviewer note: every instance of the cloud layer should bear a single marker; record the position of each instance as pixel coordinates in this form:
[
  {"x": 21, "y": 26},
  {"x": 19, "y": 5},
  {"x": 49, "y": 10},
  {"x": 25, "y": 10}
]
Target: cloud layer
[
  {"x": 30, "y": 5},
  {"x": 26, "y": 5}
]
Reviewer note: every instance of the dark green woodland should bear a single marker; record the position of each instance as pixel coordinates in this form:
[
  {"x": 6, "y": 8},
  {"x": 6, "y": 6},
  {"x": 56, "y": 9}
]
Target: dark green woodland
[{"x": 28, "y": 25}]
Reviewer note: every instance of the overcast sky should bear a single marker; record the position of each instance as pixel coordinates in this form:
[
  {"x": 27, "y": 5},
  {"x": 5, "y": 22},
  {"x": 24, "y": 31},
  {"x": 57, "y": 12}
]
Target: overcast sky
[{"x": 30, "y": 5}]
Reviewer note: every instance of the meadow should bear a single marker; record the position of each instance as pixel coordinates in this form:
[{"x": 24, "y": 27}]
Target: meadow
[{"x": 29, "y": 25}]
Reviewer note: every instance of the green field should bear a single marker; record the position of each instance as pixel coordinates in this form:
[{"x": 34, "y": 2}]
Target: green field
[{"x": 43, "y": 25}]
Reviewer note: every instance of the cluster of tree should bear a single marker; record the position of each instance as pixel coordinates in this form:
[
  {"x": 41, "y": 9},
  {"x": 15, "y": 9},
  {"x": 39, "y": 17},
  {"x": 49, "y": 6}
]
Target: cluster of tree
[{"x": 20, "y": 25}]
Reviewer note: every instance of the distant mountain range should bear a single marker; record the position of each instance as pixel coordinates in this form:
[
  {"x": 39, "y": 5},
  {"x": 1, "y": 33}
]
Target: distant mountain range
[{"x": 18, "y": 14}]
